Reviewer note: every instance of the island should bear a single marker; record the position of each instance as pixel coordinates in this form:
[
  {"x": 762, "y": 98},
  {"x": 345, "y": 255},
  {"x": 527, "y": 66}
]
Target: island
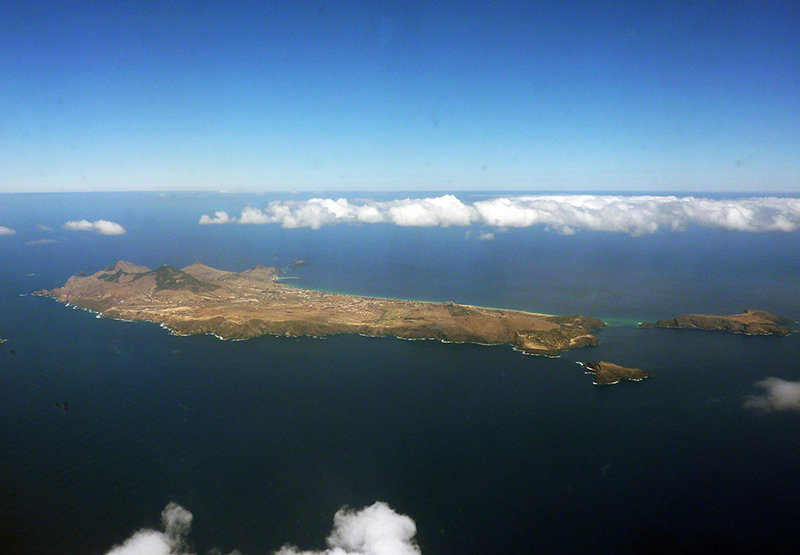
[
  {"x": 750, "y": 322},
  {"x": 199, "y": 299},
  {"x": 608, "y": 373}
]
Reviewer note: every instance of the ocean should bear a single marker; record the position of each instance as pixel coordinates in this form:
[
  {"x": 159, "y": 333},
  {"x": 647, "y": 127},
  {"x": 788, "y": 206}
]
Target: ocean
[{"x": 104, "y": 422}]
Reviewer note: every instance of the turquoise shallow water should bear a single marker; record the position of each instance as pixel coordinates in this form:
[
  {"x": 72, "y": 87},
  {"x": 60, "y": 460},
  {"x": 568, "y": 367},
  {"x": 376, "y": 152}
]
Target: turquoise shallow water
[{"x": 486, "y": 449}]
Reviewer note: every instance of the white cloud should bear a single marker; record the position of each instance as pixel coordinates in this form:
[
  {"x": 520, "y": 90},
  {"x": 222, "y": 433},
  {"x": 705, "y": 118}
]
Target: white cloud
[
  {"x": 176, "y": 521},
  {"x": 80, "y": 225},
  {"x": 7, "y": 231},
  {"x": 642, "y": 214},
  {"x": 565, "y": 214},
  {"x": 42, "y": 227},
  {"x": 145, "y": 542},
  {"x": 220, "y": 217},
  {"x": 254, "y": 216},
  {"x": 316, "y": 212},
  {"x": 442, "y": 211},
  {"x": 374, "y": 530},
  {"x": 485, "y": 236},
  {"x": 778, "y": 395},
  {"x": 103, "y": 227}
]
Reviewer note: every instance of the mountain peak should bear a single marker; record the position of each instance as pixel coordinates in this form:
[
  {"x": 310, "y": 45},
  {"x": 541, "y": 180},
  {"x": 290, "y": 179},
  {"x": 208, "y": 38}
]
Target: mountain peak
[{"x": 127, "y": 267}]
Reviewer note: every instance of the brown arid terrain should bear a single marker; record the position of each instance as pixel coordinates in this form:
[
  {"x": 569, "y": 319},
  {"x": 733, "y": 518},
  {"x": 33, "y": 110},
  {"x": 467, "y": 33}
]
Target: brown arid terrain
[
  {"x": 607, "y": 373},
  {"x": 751, "y": 322},
  {"x": 200, "y": 299}
]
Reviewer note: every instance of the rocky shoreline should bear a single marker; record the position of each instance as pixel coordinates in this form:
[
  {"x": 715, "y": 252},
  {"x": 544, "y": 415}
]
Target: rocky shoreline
[
  {"x": 608, "y": 373},
  {"x": 750, "y": 322},
  {"x": 202, "y": 300}
]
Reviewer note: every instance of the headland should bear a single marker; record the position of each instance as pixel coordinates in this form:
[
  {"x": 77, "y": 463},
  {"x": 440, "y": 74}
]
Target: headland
[
  {"x": 199, "y": 299},
  {"x": 750, "y": 322}
]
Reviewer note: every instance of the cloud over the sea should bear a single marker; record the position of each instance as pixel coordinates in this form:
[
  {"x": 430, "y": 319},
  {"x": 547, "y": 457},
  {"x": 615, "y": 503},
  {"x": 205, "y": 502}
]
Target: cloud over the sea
[
  {"x": 103, "y": 227},
  {"x": 220, "y": 217},
  {"x": 778, "y": 395},
  {"x": 7, "y": 231},
  {"x": 176, "y": 521},
  {"x": 635, "y": 215},
  {"x": 374, "y": 530}
]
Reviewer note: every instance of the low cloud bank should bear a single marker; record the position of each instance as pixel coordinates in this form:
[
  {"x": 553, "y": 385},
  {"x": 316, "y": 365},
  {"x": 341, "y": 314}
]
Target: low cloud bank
[
  {"x": 563, "y": 213},
  {"x": 374, "y": 530},
  {"x": 103, "y": 227},
  {"x": 778, "y": 395},
  {"x": 7, "y": 231}
]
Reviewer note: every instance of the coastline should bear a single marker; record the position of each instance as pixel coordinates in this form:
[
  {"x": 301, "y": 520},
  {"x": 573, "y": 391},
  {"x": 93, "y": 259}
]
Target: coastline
[{"x": 228, "y": 305}]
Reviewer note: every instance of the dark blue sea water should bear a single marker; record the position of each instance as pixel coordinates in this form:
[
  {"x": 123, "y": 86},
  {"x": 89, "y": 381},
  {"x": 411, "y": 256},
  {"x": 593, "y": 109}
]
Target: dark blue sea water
[{"x": 489, "y": 451}]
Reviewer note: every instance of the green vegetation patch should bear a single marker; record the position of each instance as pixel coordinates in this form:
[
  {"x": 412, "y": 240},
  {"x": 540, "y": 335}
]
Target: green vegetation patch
[
  {"x": 171, "y": 279},
  {"x": 112, "y": 277},
  {"x": 459, "y": 310}
]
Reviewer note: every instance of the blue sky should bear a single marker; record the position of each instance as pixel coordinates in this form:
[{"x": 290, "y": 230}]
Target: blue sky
[{"x": 267, "y": 96}]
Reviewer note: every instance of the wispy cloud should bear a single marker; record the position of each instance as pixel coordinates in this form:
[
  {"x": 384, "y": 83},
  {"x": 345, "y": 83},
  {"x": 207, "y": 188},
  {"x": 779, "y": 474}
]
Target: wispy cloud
[
  {"x": 103, "y": 227},
  {"x": 7, "y": 231},
  {"x": 565, "y": 214},
  {"x": 778, "y": 395},
  {"x": 374, "y": 530},
  {"x": 42, "y": 227}
]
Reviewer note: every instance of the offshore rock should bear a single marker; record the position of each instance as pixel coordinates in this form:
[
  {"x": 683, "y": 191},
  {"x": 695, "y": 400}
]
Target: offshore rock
[{"x": 608, "y": 373}]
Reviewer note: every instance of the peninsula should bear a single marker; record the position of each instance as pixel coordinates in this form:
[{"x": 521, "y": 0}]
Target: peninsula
[
  {"x": 751, "y": 322},
  {"x": 199, "y": 299},
  {"x": 608, "y": 373}
]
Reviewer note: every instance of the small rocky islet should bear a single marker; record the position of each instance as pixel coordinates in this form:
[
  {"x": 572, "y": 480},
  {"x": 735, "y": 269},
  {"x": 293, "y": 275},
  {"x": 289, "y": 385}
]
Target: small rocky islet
[{"x": 608, "y": 373}]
